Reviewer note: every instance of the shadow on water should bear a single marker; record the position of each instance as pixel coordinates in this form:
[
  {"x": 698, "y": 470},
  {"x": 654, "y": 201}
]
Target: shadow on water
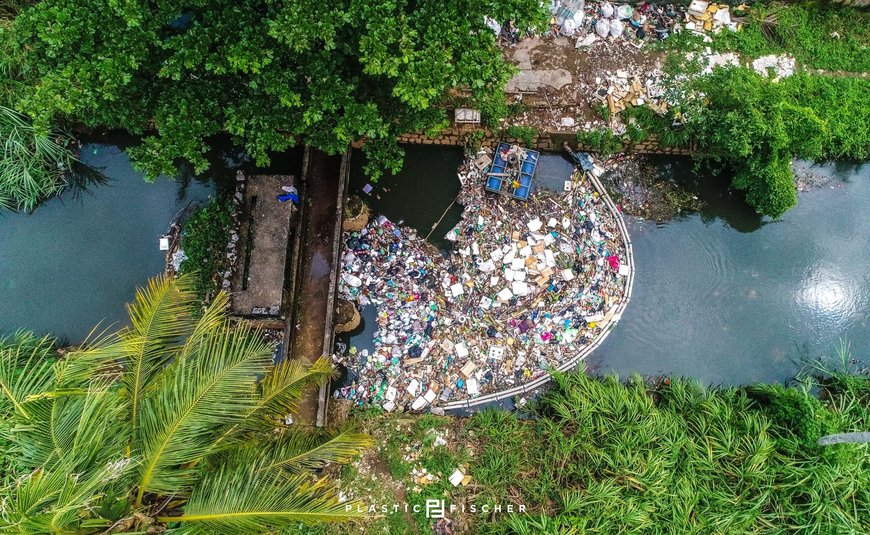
[
  {"x": 720, "y": 202},
  {"x": 420, "y": 194}
]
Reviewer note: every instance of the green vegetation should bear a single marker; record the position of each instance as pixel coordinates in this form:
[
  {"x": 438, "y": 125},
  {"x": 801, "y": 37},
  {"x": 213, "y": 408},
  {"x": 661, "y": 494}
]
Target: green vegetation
[
  {"x": 270, "y": 74},
  {"x": 174, "y": 421},
  {"x": 602, "y": 140},
  {"x": 600, "y": 456},
  {"x": 818, "y": 36},
  {"x": 607, "y": 457},
  {"x": 755, "y": 126},
  {"x": 34, "y": 164},
  {"x": 525, "y": 133},
  {"x": 204, "y": 241}
]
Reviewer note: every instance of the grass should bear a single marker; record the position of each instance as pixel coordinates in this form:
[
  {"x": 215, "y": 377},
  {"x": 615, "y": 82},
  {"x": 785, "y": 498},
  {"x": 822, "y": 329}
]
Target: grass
[
  {"x": 832, "y": 38},
  {"x": 602, "y": 140},
  {"x": 604, "y": 456},
  {"x": 525, "y": 133}
]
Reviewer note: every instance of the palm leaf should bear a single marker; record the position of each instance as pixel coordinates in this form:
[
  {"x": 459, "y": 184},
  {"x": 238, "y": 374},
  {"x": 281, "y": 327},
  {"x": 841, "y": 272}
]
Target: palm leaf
[
  {"x": 159, "y": 317},
  {"x": 298, "y": 451},
  {"x": 80, "y": 431},
  {"x": 53, "y": 501},
  {"x": 280, "y": 392},
  {"x": 239, "y": 498},
  {"x": 193, "y": 401},
  {"x": 26, "y": 369}
]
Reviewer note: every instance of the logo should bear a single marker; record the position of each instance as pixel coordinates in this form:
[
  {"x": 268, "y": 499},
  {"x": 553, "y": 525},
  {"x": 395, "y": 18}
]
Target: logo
[{"x": 434, "y": 508}]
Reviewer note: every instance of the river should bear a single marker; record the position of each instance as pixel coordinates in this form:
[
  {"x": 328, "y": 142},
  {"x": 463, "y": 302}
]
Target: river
[
  {"x": 75, "y": 261},
  {"x": 721, "y": 295}
]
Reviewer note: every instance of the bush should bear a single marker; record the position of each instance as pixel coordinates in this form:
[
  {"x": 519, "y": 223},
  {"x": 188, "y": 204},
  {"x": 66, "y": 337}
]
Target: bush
[
  {"x": 526, "y": 133},
  {"x": 204, "y": 240},
  {"x": 34, "y": 165},
  {"x": 602, "y": 140},
  {"x": 756, "y": 126},
  {"x": 607, "y": 457}
]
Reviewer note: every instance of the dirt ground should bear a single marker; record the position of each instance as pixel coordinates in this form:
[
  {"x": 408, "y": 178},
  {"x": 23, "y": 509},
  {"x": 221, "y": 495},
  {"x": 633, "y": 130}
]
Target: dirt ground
[{"x": 558, "y": 81}]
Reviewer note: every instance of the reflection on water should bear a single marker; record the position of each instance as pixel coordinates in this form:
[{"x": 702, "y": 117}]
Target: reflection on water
[
  {"x": 727, "y": 297},
  {"x": 75, "y": 261},
  {"x": 831, "y": 296},
  {"x": 420, "y": 195}
]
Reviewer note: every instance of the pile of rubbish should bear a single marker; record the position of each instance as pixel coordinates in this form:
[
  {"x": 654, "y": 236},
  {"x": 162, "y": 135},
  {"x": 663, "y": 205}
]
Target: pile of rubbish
[
  {"x": 594, "y": 21},
  {"x": 624, "y": 89},
  {"x": 526, "y": 287}
]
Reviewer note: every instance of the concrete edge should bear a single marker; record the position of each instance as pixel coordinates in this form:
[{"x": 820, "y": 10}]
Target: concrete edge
[{"x": 329, "y": 332}]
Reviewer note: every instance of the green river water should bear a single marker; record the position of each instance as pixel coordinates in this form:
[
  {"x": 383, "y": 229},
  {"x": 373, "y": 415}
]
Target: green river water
[{"x": 720, "y": 295}]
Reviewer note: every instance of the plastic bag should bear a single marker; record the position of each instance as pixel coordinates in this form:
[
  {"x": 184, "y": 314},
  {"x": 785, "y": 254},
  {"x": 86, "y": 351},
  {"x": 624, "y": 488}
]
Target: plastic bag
[
  {"x": 624, "y": 12},
  {"x": 606, "y": 10},
  {"x": 602, "y": 27},
  {"x": 616, "y": 28}
]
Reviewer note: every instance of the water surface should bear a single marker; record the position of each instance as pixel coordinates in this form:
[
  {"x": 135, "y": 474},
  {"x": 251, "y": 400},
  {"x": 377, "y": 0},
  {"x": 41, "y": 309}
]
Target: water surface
[
  {"x": 723, "y": 295},
  {"x": 727, "y": 297},
  {"x": 75, "y": 261}
]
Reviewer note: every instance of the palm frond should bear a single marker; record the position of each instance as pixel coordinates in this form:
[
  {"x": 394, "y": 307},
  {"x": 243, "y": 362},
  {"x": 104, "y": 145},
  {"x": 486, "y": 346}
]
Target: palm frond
[
  {"x": 53, "y": 501},
  {"x": 241, "y": 499},
  {"x": 213, "y": 319},
  {"x": 26, "y": 369},
  {"x": 33, "y": 165},
  {"x": 280, "y": 392},
  {"x": 298, "y": 451},
  {"x": 193, "y": 401},
  {"x": 159, "y": 317},
  {"x": 76, "y": 430}
]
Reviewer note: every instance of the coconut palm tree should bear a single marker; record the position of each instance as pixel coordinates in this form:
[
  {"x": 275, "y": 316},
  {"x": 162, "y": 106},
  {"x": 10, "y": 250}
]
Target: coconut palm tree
[{"x": 175, "y": 422}]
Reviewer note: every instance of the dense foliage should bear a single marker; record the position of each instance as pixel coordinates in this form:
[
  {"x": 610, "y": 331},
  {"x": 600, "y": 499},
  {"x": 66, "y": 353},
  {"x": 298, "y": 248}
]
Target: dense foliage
[
  {"x": 756, "y": 125},
  {"x": 34, "y": 165},
  {"x": 602, "y": 456},
  {"x": 323, "y": 72},
  {"x": 174, "y": 421},
  {"x": 608, "y": 458},
  {"x": 204, "y": 240}
]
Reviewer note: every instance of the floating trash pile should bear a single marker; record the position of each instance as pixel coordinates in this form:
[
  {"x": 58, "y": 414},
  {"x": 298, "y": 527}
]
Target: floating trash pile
[{"x": 526, "y": 287}]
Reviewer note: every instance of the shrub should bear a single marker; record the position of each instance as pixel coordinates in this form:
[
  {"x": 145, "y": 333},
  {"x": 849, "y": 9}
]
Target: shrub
[
  {"x": 204, "y": 240},
  {"x": 34, "y": 165}
]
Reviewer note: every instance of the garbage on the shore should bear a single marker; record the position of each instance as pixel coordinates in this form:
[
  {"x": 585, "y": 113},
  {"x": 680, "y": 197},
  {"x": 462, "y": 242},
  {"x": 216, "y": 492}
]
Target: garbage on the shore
[
  {"x": 589, "y": 22},
  {"x": 625, "y": 89},
  {"x": 526, "y": 287}
]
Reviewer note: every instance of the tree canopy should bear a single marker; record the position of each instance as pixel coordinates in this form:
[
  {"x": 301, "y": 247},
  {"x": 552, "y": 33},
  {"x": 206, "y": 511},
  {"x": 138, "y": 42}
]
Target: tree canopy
[{"x": 271, "y": 74}]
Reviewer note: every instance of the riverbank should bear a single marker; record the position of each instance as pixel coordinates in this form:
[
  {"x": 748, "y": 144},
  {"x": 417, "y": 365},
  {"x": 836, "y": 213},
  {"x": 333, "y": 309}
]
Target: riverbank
[
  {"x": 748, "y": 97},
  {"x": 606, "y": 456}
]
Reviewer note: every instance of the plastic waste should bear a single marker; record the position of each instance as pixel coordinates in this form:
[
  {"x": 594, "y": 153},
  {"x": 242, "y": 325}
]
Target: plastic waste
[{"x": 616, "y": 28}]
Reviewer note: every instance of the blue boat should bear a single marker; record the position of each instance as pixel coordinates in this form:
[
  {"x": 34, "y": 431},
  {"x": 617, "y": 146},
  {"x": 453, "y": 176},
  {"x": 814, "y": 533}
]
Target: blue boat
[{"x": 509, "y": 176}]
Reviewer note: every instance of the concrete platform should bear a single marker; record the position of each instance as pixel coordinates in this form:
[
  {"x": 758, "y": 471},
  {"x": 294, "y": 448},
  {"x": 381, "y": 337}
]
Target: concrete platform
[{"x": 258, "y": 283}]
